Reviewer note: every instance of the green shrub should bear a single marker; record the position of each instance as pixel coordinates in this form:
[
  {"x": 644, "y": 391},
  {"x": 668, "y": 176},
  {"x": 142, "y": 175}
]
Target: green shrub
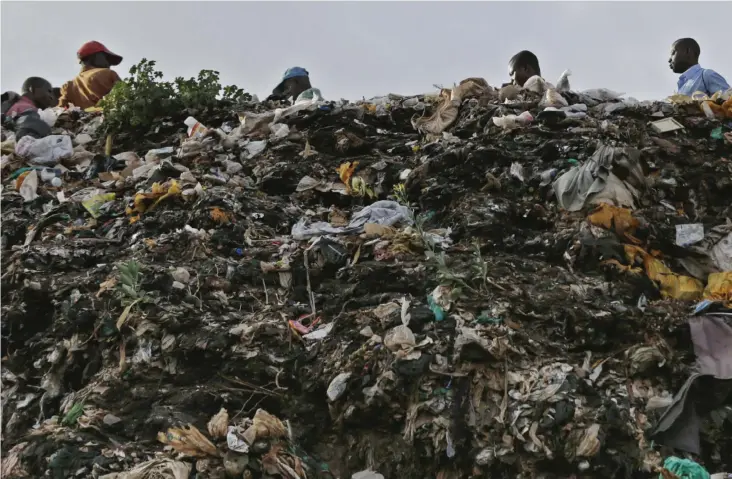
[{"x": 136, "y": 102}]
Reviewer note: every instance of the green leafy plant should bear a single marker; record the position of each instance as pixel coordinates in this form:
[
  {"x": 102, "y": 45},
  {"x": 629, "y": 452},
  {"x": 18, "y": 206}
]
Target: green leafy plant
[
  {"x": 135, "y": 103},
  {"x": 130, "y": 279},
  {"x": 139, "y": 99},
  {"x": 130, "y": 287},
  {"x": 199, "y": 93}
]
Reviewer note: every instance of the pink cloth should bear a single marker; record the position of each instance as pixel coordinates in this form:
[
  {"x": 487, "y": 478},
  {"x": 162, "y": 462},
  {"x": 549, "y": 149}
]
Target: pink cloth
[{"x": 21, "y": 106}]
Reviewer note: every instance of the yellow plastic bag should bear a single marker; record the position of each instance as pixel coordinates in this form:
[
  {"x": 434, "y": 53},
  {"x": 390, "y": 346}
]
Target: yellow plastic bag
[
  {"x": 94, "y": 204},
  {"x": 345, "y": 172},
  {"x": 672, "y": 285},
  {"x": 719, "y": 287},
  {"x": 144, "y": 202}
]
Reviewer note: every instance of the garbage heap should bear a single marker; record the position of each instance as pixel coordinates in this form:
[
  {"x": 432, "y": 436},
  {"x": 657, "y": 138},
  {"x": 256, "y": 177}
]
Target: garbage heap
[{"x": 477, "y": 283}]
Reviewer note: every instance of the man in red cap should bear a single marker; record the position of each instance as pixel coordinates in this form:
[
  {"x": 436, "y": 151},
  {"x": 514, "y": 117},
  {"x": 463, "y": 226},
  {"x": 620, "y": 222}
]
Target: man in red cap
[{"x": 95, "y": 80}]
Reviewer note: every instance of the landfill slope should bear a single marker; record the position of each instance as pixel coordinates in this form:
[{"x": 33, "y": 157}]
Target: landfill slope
[{"x": 487, "y": 332}]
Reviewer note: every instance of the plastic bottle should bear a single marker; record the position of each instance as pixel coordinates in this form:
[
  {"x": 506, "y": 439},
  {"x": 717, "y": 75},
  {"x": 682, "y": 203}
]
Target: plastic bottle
[{"x": 195, "y": 128}]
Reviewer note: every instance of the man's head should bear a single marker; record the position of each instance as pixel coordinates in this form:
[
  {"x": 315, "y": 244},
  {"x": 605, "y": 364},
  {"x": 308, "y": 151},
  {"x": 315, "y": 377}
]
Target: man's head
[
  {"x": 523, "y": 66},
  {"x": 295, "y": 81},
  {"x": 684, "y": 55},
  {"x": 94, "y": 54},
  {"x": 40, "y": 92}
]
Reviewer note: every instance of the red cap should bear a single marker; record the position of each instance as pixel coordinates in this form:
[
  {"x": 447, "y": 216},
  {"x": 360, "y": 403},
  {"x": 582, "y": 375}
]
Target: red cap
[{"x": 90, "y": 48}]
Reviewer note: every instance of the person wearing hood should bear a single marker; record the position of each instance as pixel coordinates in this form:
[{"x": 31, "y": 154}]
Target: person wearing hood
[
  {"x": 684, "y": 60},
  {"x": 37, "y": 94},
  {"x": 95, "y": 80},
  {"x": 295, "y": 84}
]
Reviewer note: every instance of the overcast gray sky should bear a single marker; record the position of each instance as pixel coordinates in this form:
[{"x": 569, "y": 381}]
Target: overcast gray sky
[{"x": 355, "y": 49}]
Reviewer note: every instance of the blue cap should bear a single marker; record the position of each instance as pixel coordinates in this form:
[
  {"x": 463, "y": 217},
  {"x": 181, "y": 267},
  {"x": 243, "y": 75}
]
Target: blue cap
[{"x": 293, "y": 72}]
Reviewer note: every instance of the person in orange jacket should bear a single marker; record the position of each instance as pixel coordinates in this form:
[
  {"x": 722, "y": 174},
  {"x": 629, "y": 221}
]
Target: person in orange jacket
[{"x": 95, "y": 80}]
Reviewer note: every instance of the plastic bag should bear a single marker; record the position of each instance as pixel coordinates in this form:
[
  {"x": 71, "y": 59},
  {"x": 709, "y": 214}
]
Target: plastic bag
[
  {"x": 513, "y": 121},
  {"x": 563, "y": 82},
  {"x": 48, "y": 151},
  {"x": 602, "y": 94},
  {"x": 279, "y": 131},
  {"x": 49, "y": 116},
  {"x": 536, "y": 84},
  {"x": 29, "y": 186},
  {"x": 311, "y": 94},
  {"x": 552, "y": 98}
]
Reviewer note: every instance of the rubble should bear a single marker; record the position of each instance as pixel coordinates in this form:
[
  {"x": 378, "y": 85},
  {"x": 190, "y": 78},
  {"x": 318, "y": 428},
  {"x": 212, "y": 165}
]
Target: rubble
[{"x": 471, "y": 285}]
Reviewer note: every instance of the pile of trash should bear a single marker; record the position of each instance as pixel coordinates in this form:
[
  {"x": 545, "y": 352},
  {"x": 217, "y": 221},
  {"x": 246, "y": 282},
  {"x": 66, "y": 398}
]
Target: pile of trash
[{"x": 481, "y": 282}]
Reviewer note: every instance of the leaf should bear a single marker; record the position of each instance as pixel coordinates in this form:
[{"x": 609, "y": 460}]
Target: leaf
[
  {"x": 125, "y": 314},
  {"x": 131, "y": 292},
  {"x": 126, "y": 279}
]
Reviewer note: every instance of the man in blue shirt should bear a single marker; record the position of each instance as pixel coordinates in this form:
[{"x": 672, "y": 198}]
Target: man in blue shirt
[{"x": 684, "y": 60}]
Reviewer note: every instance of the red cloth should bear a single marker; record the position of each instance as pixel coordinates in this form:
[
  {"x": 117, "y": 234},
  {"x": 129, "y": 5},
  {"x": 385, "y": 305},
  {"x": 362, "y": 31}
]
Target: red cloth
[{"x": 21, "y": 106}]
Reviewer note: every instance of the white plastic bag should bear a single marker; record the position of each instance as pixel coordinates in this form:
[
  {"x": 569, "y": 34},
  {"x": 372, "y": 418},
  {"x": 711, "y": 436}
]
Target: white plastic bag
[
  {"x": 513, "y": 121},
  {"x": 552, "y": 98},
  {"x": 48, "y": 151},
  {"x": 536, "y": 84},
  {"x": 279, "y": 131},
  {"x": 563, "y": 82},
  {"x": 49, "y": 116},
  {"x": 29, "y": 187}
]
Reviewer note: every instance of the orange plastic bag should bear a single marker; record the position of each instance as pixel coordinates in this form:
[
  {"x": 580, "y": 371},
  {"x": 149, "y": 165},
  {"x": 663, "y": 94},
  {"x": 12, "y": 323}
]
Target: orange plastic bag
[{"x": 613, "y": 218}]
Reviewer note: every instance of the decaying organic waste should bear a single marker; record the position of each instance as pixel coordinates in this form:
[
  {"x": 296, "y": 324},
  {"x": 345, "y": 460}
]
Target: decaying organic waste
[{"x": 405, "y": 287}]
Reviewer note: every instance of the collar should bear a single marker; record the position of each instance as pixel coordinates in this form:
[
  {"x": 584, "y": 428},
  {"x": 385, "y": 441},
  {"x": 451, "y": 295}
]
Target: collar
[
  {"x": 691, "y": 71},
  {"x": 86, "y": 68}
]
